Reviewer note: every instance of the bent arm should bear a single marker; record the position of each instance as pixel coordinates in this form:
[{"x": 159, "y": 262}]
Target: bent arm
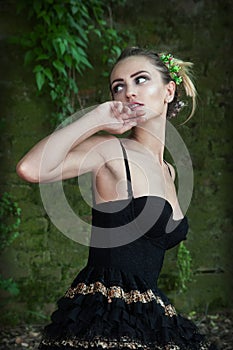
[
  {"x": 56, "y": 153},
  {"x": 61, "y": 154}
]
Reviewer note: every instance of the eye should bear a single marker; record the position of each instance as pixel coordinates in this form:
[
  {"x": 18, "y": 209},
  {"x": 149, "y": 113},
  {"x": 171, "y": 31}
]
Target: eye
[
  {"x": 141, "y": 79},
  {"x": 117, "y": 88}
]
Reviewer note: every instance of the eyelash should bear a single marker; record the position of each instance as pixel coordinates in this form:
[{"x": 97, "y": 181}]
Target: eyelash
[
  {"x": 142, "y": 77},
  {"x": 114, "y": 90}
]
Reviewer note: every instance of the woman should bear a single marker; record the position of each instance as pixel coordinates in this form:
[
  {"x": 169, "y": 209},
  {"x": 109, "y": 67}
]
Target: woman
[{"x": 114, "y": 302}]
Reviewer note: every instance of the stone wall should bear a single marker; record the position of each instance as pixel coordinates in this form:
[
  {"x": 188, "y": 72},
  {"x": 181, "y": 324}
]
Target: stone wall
[{"x": 42, "y": 260}]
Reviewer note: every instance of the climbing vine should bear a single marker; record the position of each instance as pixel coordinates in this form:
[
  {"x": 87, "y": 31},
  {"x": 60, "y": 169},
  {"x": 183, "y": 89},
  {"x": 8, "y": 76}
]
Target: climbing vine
[
  {"x": 184, "y": 261},
  {"x": 57, "y": 47}
]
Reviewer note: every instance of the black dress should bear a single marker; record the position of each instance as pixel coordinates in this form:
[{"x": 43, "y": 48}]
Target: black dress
[{"x": 114, "y": 302}]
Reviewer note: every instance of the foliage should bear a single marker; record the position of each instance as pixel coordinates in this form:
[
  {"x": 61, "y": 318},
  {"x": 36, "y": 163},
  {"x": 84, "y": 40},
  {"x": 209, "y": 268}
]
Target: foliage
[
  {"x": 10, "y": 214},
  {"x": 58, "y": 45},
  {"x": 9, "y": 285},
  {"x": 184, "y": 267}
]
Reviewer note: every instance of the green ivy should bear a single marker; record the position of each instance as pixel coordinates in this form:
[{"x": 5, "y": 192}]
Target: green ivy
[
  {"x": 9, "y": 285},
  {"x": 57, "y": 47},
  {"x": 10, "y": 218},
  {"x": 184, "y": 261}
]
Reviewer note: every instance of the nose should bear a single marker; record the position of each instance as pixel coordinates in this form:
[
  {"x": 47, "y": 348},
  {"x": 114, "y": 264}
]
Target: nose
[{"x": 130, "y": 92}]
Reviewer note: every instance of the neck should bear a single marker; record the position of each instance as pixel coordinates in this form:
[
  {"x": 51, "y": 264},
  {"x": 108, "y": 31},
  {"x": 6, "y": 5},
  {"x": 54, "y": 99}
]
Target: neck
[{"x": 151, "y": 134}]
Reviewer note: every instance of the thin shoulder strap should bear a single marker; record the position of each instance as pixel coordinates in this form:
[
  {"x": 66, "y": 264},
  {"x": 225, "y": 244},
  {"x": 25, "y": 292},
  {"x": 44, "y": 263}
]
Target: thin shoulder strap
[
  {"x": 168, "y": 167},
  {"x": 129, "y": 185}
]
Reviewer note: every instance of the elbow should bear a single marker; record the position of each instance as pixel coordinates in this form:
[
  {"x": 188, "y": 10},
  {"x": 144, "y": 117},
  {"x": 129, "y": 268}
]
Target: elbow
[{"x": 26, "y": 173}]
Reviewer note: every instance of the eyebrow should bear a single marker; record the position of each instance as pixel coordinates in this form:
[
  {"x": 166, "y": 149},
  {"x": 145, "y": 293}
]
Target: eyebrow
[{"x": 131, "y": 76}]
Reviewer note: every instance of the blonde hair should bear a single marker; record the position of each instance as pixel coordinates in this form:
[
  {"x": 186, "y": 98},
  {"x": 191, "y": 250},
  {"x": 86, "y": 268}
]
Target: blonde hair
[
  {"x": 187, "y": 82},
  {"x": 185, "y": 72}
]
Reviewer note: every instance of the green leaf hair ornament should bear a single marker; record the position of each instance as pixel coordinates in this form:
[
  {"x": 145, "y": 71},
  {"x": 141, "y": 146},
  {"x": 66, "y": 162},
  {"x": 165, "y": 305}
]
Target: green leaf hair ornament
[{"x": 173, "y": 68}]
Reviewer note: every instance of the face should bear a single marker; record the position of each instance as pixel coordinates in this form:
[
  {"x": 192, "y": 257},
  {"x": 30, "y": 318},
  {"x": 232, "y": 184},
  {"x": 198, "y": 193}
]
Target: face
[{"x": 135, "y": 80}]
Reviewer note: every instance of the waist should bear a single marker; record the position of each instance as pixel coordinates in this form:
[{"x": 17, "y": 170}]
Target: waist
[{"x": 140, "y": 257}]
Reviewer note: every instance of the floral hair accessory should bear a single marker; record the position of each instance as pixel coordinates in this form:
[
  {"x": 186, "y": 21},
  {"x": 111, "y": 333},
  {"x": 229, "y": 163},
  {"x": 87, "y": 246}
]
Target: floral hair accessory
[{"x": 173, "y": 68}]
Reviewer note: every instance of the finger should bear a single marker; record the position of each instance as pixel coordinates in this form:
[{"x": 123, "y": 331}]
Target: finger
[
  {"x": 136, "y": 120},
  {"x": 126, "y": 110},
  {"x": 129, "y": 113},
  {"x": 117, "y": 109},
  {"x": 141, "y": 119},
  {"x": 129, "y": 126},
  {"x": 140, "y": 112}
]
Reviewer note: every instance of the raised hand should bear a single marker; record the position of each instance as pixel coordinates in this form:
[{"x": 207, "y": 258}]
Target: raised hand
[{"x": 117, "y": 117}]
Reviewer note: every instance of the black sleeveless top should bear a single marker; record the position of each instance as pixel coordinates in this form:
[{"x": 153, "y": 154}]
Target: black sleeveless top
[{"x": 134, "y": 233}]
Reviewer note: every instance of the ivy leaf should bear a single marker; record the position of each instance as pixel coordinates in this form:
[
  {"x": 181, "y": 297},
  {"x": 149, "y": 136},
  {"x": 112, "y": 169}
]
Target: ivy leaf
[
  {"x": 80, "y": 56},
  {"x": 38, "y": 68},
  {"x": 9, "y": 285},
  {"x": 59, "y": 10},
  {"x": 74, "y": 9},
  {"x": 45, "y": 16},
  {"x": 68, "y": 61},
  {"x": 78, "y": 69},
  {"x": 53, "y": 95},
  {"x": 37, "y": 6},
  {"x": 62, "y": 47},
  {"x": 60, "y": 67},
  {"x": 81, "y": 30},
  {"x": 28, "y": 57},
  {"x": 97, "y": 32},
  {"x": 85, "y": 62},
  {"x": 73, "y": 85},
  {"x": 48, "y": 73},
  {"x": 42, "y": 57},
  {"x": 56, "y": 46},
  {"x": 81, "y": 51},
  {"x": 116, "y": 49},
  {"x": 75, "y": 55},
  {"x": 80, "y": 42},
  {"x": 40, "y": 80}
]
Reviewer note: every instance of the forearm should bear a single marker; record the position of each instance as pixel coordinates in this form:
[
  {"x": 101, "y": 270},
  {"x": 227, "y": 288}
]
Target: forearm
[
  {"x": 45, "y": 160},
  {"x": 49, "y": 153}
]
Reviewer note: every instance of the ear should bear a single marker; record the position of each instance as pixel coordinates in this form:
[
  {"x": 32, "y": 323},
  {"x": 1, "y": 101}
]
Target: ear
[{"x": 170, "y": 91}]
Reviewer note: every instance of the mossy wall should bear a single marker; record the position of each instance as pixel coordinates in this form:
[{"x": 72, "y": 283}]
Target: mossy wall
[{"x": 42, "y": 260}]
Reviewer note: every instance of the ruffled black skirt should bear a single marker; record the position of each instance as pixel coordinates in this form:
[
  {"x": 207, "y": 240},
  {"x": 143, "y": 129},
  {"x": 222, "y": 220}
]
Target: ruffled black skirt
[{"x": 109, "y": 309}]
